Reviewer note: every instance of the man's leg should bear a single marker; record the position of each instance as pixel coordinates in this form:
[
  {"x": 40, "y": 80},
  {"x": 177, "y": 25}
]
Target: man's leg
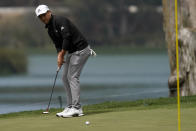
[
  {"x": 65, "y": 80},
  {"x": 77, "y": 62},
  {"x": 66, "y": 86}
]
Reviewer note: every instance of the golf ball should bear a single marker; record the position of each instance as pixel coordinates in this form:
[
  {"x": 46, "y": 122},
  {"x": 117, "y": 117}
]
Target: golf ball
[{"x": 87, "y": 122}]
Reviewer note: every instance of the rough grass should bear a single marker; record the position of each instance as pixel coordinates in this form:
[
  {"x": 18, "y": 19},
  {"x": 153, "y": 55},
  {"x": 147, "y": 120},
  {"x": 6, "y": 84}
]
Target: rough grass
[
  {"x": 106, "y": 50},
  {"x": 113, "y": 106}
]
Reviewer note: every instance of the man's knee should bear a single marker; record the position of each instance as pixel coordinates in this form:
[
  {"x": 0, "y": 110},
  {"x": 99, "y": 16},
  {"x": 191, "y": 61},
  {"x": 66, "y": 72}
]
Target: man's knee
[
  {"x": 64, "y": 78},
  {"x": 72, "y": 78}
]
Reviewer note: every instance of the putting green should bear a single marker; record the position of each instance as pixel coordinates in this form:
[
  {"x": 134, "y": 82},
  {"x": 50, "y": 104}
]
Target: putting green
[{"x": 161, "y": 119}]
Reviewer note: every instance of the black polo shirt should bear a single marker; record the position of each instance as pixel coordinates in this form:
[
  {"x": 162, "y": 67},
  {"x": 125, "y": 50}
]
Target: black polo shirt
[{"x": 65, "y": 35}]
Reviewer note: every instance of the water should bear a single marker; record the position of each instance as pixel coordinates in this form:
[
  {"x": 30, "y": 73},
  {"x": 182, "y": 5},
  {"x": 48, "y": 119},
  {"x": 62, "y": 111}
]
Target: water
[{"x": 104, "y": 78}]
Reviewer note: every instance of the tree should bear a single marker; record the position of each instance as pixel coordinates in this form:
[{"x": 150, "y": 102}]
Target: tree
[{"x": 186, "y": 38}]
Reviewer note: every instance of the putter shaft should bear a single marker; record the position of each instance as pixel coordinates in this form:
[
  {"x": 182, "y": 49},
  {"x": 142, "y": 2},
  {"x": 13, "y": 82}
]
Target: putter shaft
[{"x": 47, "y": 110}]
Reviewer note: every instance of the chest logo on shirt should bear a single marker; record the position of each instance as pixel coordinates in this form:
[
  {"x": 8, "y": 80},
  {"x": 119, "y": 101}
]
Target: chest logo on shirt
[{"x": 62, "y": 28}]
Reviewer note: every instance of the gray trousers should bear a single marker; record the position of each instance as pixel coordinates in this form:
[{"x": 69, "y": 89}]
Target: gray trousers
[{"x": 72, "y": 68}]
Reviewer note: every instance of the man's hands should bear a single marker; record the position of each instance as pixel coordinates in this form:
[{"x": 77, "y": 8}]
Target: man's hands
[{"x": 60, "y": 58}]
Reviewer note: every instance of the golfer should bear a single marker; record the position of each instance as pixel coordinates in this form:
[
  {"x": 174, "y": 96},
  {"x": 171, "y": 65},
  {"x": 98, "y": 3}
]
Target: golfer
[{"x": 72, "y": 45}]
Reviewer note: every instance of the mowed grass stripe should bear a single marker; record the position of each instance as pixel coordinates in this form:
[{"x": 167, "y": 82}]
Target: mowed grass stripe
[{"x": 160, "y": 119}]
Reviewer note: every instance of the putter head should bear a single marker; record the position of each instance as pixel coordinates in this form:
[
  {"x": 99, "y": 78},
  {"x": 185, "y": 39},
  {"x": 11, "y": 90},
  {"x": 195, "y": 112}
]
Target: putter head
[{"x": 45, "y": 112}]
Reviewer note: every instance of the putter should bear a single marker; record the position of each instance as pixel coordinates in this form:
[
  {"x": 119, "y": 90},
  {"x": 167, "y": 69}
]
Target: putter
[{"x": 47, "y": 110}]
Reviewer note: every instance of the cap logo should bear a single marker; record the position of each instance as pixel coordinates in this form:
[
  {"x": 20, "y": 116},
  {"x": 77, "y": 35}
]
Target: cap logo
[
  {"x": 39, "y": 10},
  {"x": 62, "y": 28}
]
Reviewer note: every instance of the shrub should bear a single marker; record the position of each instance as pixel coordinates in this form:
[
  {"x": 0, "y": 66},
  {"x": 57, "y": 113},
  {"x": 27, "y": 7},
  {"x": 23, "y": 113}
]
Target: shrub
[{"x": 12, "y": 62}]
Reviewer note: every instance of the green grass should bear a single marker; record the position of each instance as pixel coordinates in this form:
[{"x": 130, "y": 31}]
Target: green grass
[
  {"x": 123, "y": 50},
  {"x": 148, "y": 114},
  {"x": 106, "y": 49}
]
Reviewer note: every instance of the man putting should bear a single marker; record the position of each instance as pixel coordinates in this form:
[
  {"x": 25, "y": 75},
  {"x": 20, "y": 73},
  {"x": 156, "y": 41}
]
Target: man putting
[{"x": 70, "y": 42}]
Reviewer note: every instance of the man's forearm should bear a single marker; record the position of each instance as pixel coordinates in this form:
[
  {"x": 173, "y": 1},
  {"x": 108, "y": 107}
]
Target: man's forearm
[
  {"x": 62, "y": 53},
  {"x": 61, "y": 57}
]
